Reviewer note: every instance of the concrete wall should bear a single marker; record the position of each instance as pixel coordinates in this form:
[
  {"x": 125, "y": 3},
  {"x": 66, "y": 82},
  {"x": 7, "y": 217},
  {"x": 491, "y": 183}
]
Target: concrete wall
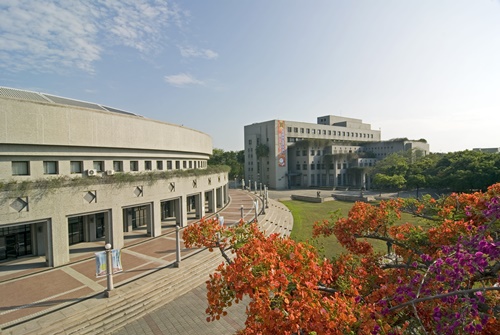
[{"x": 27, "y": 122}]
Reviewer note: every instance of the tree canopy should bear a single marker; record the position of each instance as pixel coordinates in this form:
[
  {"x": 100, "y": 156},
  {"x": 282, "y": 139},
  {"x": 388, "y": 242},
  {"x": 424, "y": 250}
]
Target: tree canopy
[
  {"x": 461, "y": 171},
  {"x": 234, "y": 159},
  {"x": 441, "y": 276}
]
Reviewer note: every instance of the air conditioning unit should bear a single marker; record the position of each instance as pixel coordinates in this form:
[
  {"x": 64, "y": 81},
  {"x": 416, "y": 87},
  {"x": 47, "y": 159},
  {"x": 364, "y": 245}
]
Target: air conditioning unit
[
  {"x": 91, "y": 172},
  {"x": 110, "y": 172}
]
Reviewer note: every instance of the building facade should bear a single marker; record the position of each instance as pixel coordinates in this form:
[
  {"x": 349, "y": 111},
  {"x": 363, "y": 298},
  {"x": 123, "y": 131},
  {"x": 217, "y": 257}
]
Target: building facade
[
  {"x": 73, "y": 171},
  {"x": 335, "y": 151}
]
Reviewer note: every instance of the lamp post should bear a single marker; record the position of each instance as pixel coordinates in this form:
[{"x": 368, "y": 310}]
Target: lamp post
[{"x": 109, "y": 268}]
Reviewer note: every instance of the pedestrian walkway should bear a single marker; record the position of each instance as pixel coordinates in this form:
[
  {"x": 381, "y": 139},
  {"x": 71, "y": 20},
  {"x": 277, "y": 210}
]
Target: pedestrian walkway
[{"x": 34, "y": 298}]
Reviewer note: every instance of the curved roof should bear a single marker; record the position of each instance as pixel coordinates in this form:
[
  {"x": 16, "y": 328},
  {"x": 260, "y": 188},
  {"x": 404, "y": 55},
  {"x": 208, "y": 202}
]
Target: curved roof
[{"x": 43, "y": 97}]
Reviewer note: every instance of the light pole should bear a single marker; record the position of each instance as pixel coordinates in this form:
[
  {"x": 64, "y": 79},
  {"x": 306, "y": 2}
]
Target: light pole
[{"x": 109, "y": 269}]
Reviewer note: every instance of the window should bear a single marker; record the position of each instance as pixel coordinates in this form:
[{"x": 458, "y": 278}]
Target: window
[
  {"x": 75, "y": 167},
  {"x": 249, "y": 142},
  {"x": 297, "y": 153},
  {"x": 295, "y": 130},
  {"x": 147, "y": 166},
  {"x": 312, "y": 166},
  {"x": 169, "y": 165},
  {"x": 177, "y": 165},
  {"x": 190, "y": 164},
  {"x": 301, "y": 130},
  {"x": 329, "y": 132},
  {"x": 118, "y": 166},
  {"x": 324, "y": 132},
  {"x": 159, "y": 165},
  {"x": 318, "y": 166},
  {"x": 289, "y": 129},
  {"x": 50, "y": 167},
  {"x": 99, "y": 166},
  {"x": 298, "y": 166},
  {"x": 312, "y": 152},
  {"x": 304, "y": 152},
  {"x": 308, "y": 130},
  {"x": 314, "y": 131},
  {"x": 20, "y": 168},
  {"x": 304, "y": 166},
  {"x": 184, "y": 164},
  {"x": 134, "y": 166}
]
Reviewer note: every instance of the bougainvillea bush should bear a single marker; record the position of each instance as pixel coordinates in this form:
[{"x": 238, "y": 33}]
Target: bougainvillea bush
[{"x": 438, "y": 277}]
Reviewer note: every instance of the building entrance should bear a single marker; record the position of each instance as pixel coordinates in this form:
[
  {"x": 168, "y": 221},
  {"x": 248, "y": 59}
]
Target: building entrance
[
  {"x": 75, "y": 230},
  {"x": 100, "y": 229},
  {"x": 15, "y": 241}
]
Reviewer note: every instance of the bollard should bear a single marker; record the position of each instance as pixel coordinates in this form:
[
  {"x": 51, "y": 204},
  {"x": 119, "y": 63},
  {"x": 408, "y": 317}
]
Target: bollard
[
  {"x": 241, "y": 212},
  {"x": 178, "y": 245},
  {"x": 266, "y": 197}
]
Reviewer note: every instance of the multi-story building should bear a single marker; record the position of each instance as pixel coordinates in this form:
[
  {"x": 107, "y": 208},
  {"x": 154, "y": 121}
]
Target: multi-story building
[
  {"x": 336, "y": 151},
  {"x": 488, "y": 150},
  {"x": 73, "y": 171}
]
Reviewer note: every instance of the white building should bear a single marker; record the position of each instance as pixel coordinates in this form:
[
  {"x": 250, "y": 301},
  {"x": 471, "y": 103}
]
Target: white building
[
  {"x": 335, "y": 151},
  {"x": 73, "y": 171}
]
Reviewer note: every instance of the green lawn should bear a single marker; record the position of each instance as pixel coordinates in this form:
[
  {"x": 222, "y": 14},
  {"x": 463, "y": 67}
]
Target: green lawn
[{"x": 306, "y": 213}]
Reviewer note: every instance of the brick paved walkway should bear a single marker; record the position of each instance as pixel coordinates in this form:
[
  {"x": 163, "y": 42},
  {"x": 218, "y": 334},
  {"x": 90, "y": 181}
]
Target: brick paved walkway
[{"x": 186, "y": 316}]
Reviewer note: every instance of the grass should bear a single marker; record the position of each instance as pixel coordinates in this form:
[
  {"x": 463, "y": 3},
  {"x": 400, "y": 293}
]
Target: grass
[{"x": 306, "y": 213}]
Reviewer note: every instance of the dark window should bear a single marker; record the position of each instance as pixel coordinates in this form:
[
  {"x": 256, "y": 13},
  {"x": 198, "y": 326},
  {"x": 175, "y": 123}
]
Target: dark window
[
  {"x": 118, "y": 166},
  {"x": 75, "y": 167},
  {"x": 99, "y": 166},
  {"x": 147, "y": 166},
  {"x": 134, "y": 166},
  {"x": 50, "y": 167}
]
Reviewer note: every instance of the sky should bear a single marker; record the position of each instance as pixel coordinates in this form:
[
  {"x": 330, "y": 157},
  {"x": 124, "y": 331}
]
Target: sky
[{"x": 411, "y": 68}]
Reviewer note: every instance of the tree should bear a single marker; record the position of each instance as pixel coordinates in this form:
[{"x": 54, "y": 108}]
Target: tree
[
  {"x": 465, "y": 171},
  {"x": 234, "y": 159},
  {"x": 441, "y": 277}
]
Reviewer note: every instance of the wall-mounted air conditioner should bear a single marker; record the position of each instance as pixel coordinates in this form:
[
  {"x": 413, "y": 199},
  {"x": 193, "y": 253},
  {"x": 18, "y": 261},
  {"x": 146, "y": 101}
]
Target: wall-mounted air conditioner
[
  {"x": 91, "y": 172},
  {"x": 110, "y": 172}
]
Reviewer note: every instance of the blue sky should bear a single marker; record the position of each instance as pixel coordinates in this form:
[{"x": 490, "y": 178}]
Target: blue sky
[{"x": 418, "y": 69}]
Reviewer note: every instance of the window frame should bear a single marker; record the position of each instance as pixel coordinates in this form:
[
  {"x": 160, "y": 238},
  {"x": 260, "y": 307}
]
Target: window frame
[{"x": 17, "y": 163}]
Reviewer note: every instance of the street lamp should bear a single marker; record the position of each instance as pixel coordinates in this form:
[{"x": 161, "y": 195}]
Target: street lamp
[{"x": 109, "y": 268}]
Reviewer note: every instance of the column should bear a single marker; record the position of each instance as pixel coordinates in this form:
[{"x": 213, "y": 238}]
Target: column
[
  {"x": 156, "y": 218},
  {"x": 59, "y": 241},
  {"x": 114, "y": 222}
]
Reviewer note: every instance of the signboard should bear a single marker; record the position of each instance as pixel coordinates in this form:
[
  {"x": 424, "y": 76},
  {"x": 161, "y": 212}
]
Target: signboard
[
  {"x": 100, "y": 262},
  {"x": 281, "y": 143}
]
